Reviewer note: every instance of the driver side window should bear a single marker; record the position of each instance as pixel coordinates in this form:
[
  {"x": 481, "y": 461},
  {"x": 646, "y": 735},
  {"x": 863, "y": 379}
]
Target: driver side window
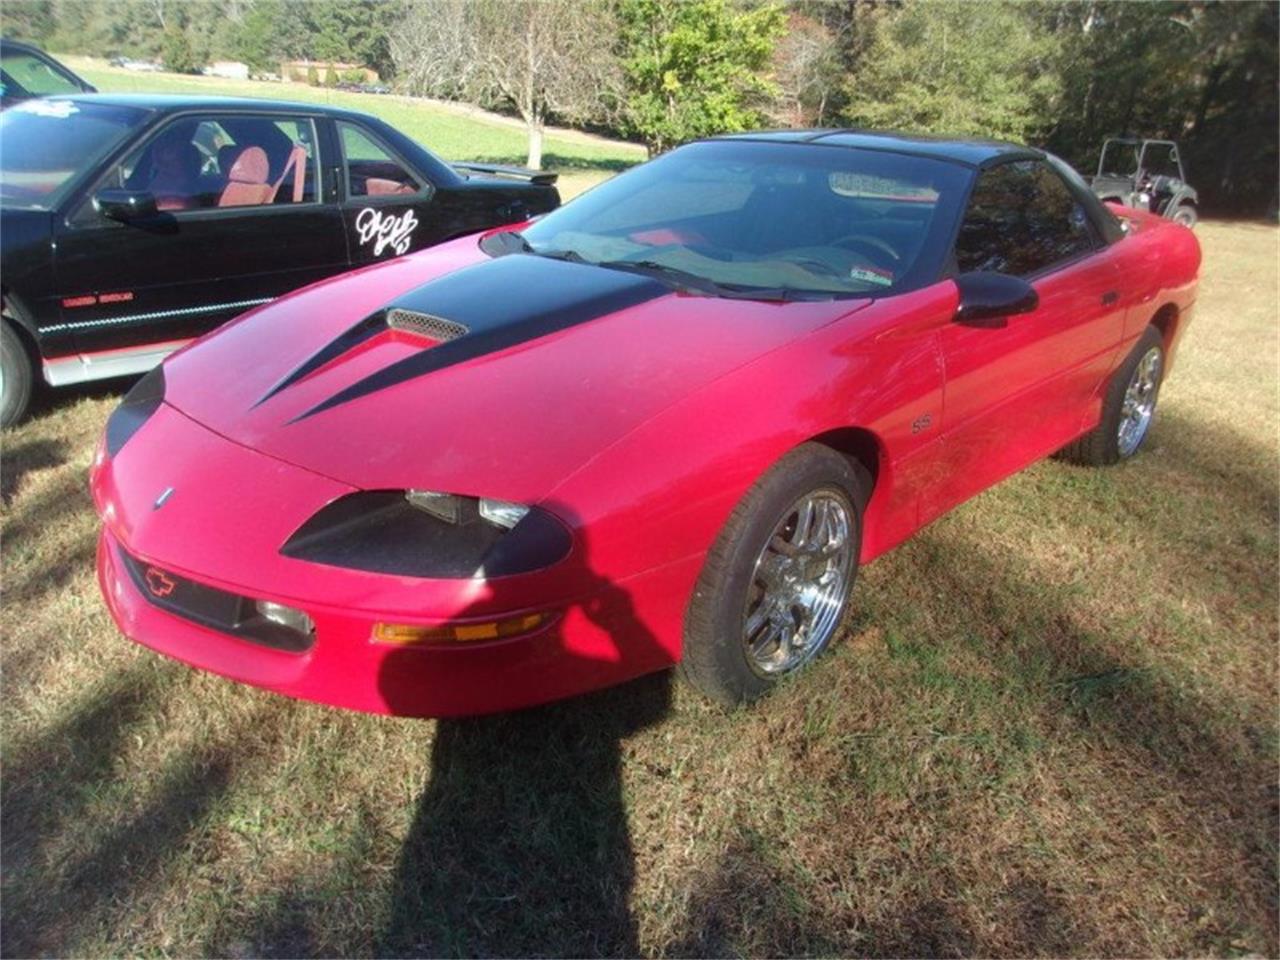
[
  {"x": 200, "y": 163},
  {"x": 1022, "y": 219}
]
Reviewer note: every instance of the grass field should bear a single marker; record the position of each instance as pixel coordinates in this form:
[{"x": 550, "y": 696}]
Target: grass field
[
  {"x": 452, "y": 131},
  {"x": 1051, "y": 731}
]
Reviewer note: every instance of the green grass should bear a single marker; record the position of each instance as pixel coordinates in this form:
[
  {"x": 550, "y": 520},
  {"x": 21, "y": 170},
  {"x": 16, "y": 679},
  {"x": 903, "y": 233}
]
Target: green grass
[
  {"x": 1052, "y": 730},
  {"x": 453, "y": 133}
]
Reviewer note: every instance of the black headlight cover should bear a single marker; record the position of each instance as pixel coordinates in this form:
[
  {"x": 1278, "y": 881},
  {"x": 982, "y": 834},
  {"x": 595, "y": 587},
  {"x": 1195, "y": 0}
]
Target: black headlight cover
[
  {"x": 379, "y": 531},
  {"x": 135, "y": 409}
]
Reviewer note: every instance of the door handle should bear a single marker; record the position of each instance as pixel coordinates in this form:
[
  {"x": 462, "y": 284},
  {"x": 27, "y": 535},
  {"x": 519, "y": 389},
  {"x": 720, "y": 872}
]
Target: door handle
[{"x": 1110, "y": 297}]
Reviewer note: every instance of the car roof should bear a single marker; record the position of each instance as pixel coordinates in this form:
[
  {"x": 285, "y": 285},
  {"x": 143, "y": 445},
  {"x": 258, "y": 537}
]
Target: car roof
[
  {"x": 20, "y": 44},
  {"x": 974, "y": 152},
  {"x": 171, "y": 103}
]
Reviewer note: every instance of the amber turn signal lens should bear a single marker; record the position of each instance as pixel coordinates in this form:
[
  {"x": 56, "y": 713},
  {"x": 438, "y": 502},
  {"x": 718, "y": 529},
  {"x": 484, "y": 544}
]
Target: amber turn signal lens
[{"x": 402, "y": 634}]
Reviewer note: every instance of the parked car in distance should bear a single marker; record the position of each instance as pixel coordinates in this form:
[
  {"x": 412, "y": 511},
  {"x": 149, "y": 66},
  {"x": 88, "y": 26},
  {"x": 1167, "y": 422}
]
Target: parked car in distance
[
  {"x": 1147, "y": 175},
  {"x": 132, "y": 224},
  {"x": 665, "y": 423},
  {"x": 27, "y": 71},
  {"x": 138, "y": 66}
]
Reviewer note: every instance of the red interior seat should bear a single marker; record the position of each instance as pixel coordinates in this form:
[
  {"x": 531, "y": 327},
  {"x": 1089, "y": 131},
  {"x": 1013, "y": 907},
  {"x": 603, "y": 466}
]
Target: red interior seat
[
  {"x": 247, "y": 182},
  {"x": 378, "y": 186}
]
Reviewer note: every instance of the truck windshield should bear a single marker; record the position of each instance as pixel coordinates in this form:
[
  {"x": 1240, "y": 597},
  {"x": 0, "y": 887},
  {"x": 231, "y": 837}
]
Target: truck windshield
[{"x": 47, "y": 145}]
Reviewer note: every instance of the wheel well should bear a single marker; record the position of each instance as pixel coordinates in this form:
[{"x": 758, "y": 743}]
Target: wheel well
[
  {"x": 25, "y": 336},
  {"x": 855, "y": 442},
  {"x": 1166, "y": 321}
]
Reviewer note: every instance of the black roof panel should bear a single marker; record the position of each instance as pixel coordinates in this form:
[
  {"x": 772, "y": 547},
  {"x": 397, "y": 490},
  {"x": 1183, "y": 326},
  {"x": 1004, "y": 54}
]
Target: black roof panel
[
  {"x": 972, "y": 151},
  {"x": 168, "y": 103}
]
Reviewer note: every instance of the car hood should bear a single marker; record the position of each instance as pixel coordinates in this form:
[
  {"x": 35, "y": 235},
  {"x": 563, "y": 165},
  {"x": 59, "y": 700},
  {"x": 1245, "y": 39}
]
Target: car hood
[{"x": 455, "y": 372}]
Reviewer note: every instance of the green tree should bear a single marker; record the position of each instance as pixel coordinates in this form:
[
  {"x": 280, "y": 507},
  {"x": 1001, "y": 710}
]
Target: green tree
[
  {"x": 985, "y": 69},
  {"x": 272, "y": 31},
  {"x": 330, "y": 76},
  {"x": 1202, "y": 73},
  {"x": 313, "y": 76},
  {"x": 31, "y": 20},
  {"x": 695, "y": 67},
  {"x": 178, "y": 56}
]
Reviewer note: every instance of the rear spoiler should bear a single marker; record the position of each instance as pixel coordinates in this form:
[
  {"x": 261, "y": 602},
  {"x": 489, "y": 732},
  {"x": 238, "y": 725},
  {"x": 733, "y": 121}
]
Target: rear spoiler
[{"x": 544, "y": 178}]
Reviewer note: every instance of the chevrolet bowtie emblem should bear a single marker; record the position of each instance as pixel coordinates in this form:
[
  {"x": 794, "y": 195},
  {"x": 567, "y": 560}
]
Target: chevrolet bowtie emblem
[
  {"x": 159, "y": 583},
  {"x": 165, "y": 494}
]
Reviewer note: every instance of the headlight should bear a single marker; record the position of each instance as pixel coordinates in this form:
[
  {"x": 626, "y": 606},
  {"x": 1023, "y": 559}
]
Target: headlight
[
  {"x": 135, "y": 409},
  {"x": 454, "y": 509},
  {"x": 421, "y": 533},
  {"x": 501, "y": 512}
]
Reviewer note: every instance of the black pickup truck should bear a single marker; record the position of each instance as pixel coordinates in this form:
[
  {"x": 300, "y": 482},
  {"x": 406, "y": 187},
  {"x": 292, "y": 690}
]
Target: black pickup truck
[{"x": 131, "y": 224}]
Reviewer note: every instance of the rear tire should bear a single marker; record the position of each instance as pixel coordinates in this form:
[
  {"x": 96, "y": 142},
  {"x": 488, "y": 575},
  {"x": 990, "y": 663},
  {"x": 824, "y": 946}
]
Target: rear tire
[
  {"x": 1185, "y": 214},
  {"x": 785, "y": 561},
  {"x": 17, "y": 377},
  {"x": 1128, "y": 409}
]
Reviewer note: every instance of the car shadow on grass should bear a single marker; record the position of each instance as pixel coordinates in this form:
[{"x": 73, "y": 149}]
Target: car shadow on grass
[
  {"x": 519, "y": 845},
  {"x": 28, "y": 456},
  {"x": 66, "y": 865},
  {"x": 50, "y": 400}
]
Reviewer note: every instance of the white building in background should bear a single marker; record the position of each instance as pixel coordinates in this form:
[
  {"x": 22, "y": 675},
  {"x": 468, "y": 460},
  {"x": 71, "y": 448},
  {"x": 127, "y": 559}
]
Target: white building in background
[{"x": 227, "y": 69}]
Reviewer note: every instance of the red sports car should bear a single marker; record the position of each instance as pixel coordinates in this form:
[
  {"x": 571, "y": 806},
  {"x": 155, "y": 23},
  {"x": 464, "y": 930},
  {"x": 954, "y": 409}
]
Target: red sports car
[{"x": 665, "y": 423}]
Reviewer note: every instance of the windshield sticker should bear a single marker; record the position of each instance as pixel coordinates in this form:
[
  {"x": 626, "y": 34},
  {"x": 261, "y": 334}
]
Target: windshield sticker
[
  {"x": 385, "y": 231},
  {"x": 58, "y": 109},
  {"x": 881, "y": 278}
]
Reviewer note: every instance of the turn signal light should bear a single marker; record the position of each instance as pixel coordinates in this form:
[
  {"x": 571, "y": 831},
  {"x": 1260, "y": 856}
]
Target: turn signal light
[{"x": 406, "y": 634}]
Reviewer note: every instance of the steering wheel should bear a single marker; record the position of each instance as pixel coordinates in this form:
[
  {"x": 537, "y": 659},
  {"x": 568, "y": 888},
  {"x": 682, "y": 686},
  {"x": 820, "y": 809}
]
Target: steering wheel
[{"x": 873, "y": 248}]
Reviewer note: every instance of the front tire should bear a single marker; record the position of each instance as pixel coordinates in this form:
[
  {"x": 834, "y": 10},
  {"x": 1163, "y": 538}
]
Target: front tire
[
  {"x": 1129, "y": 407},
  {"x": 17, "y": 378},
  {"x": 774, "y": 590}
]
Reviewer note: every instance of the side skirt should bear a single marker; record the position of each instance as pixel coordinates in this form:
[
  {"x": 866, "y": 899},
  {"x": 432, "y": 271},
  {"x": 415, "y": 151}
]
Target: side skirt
[{"x": 83, "y": 367}]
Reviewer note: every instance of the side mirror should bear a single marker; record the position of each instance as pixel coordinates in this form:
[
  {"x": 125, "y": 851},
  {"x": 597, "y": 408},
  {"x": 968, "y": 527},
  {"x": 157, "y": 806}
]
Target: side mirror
[
  {"x": 125, "y": 205},
  {"x": 987, "y": 299}
]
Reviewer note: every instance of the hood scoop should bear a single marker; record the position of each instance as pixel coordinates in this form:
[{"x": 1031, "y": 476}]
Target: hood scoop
[
  {"x": 424, "y": 325},
  {"x": 476, "y": 311}
]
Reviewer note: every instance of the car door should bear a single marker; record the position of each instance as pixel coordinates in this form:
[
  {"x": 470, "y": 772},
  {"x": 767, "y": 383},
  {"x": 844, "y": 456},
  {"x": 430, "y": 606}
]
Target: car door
[
  {"x": 1017, "y": 392},
  {"x": 387, "y": 203},
  {"x": 241, "y": 221}
]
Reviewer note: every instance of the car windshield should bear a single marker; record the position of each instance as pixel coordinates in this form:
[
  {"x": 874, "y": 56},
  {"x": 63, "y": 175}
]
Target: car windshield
[
  {"x": 46, "y": 144},
  {"x": 766, "y": 220},
  {"x": 34, "y": 75}
]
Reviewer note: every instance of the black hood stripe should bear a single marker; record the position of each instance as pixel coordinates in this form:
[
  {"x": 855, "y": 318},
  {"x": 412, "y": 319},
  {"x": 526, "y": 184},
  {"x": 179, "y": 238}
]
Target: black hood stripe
[
  {"x": 502, "y": 303},
  {"x": 366, "y": 329}
]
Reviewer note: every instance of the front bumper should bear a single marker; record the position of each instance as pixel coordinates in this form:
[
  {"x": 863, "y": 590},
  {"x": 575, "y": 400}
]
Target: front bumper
[
  {"x": 597, "y": 642},
  {"x": 223, "y": 535}
]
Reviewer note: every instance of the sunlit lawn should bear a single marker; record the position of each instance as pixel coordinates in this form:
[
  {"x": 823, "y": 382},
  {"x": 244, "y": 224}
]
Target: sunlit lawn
[{"x": 1052, "y": 731}]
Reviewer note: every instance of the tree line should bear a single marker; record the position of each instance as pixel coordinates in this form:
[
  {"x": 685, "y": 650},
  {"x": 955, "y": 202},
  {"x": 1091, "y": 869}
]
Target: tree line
[{"x": 1063, "y": 74}]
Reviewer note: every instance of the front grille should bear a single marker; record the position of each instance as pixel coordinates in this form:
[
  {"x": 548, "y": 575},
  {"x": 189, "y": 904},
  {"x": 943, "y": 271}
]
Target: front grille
[
  {"x": 210, "y": 607},
  {"x": 424, "y": 325}
]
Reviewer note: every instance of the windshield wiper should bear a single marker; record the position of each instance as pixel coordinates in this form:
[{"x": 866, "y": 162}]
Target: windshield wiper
[
  {"x": 662, "y": 271},
  {"x": 699, "y": 284},
  {"x": 573, "y": 256},
  {"x": 512, "y": 241}
]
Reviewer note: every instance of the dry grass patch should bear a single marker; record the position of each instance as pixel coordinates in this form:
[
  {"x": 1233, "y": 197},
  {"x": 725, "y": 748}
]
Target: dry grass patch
[{"x": 1052, "y": 731}]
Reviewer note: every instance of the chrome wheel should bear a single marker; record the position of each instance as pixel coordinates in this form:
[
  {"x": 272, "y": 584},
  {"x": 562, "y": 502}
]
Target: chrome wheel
[
  {"x": 1139, "y": 401},
  {"x": 799, "y": 584}
]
